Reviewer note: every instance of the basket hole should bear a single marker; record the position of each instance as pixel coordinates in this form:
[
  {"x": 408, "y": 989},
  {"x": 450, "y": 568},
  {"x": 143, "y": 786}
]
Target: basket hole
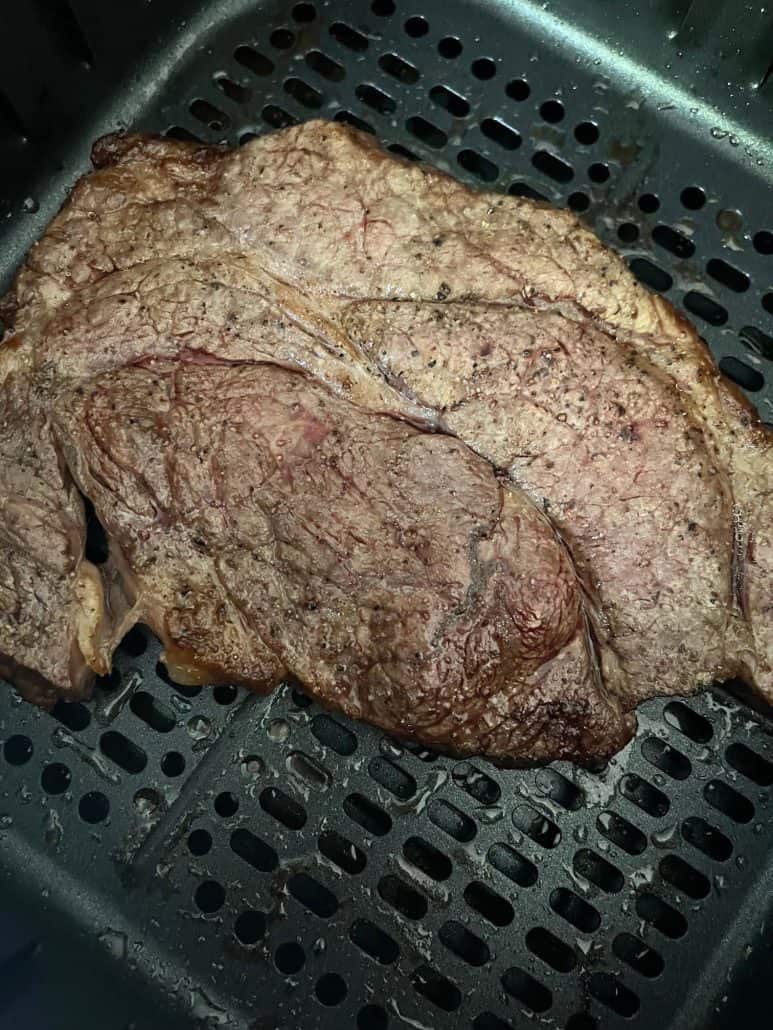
[
  {"x": 427, "y": 859},
  {"x": 500, "y": 133},
  {"x": 597, "y": 870},
  {"x": 487, "y": 903},
  {"x": 449, "y": 47},
  {"x": 416, "y": 27},
  {"x": 666, "y": 758},
  {"x": 277, "y": 117},
  {"x": 289, "y": 958},
  {"x": 674, "y": 242},
  {"x": 135, "y": 642},
  {"x": 512, "y": 864},
  {"x": 478, "y": 165},
  {"x": 55, "y": 778},
  {"x": 680, "y": 874},
  {"x": 426, "y": 132},
  {"x": 254, "y": 851},
  {"x": 518, "y": 89},
  {"x": 18, "y": 749},
  {"x": 707, "y": 838},
  {"x": 552, "y": 166},
  {"x": 375, "y": 98},
  {"x": 330, "y": 989},
  {"x": 348, "y": 37},
  {"x": 749, "y": 764},
  {"x": 283, "y": 808},
  {"x": 648, "y": 203},
  {"x": 537, "y": 826},
  {"x": 111, "y": 681},
  {"x": 622, "y": 833},
  {"x": 662, "y": 916},
  {"x": 552, "y": 111},
  {"x": 606, "y": 988},
  {"x": 398, "y": 69},
  {"x": 628, "y": 233},
  {"x": 374, "y": 942},
  {"x": 731, "y": 277},
  {"x": 574, "y": 910},
  {"x": 763, "y": 242},
  {"x": 687, "y": 722},
  {"x": 559, "y": 789},
  {"x": 530, "y": 992},
  {"x": 325, "y": 66},
  {"x": 729, "y": 220},
  {"x": 464, "y": 943},
  {"x": 333, "y": 735},
  {"x": 372, "y": 1017},
  {"x": 94, "y": 807},
  {"x": 250, "y": 927},
  {"x": 306, "y": 95},
  {"x": 304, "y": 13},
  {"x": 586, "y": 133},
  {"x": 523, "y": 189},
  {"x": 313, "y": 895},
  {"x": 233, "y": 90},
  {"x": 209, "y": 115},
  {"x": 401, "y": 896},
  {"x": 639, "y": 956},
  {"x": 476, "y": 783},
  {"x": 451, "y": 820},
  {"x": 581, "y": 1021},
  {"x": 401, "y": 151},
  {"x": 351, "y": 119},
  {"x": 551, "y": 949},
  {"x": 392, "y": 777},
  {"x": 368, "y": 814},
  {"x": 253, "y": 61},
  {"x": 651, "y": 275},
  {"x": 578, "y": 202},
  {"x": 199, "y": 842},
  {"x": 693, "y": 198},
  {"x": 437, "y": 988},
  {"x": 642, "y": 794},
  {"x": 209, "y": 896},
  {"x": 598, "y": 172},
  {"x": 483, "y": 68},
  {"x": 706, "y": 308},
  {"x": 488, "y": 1021},
  {"x": 746, "y": 377},
  {"x": 72, "y": 714},
  {"x": 226, "y": 804},
  {"x": 152, "y": 712},
  {"x": 225, "y": 693},
  {"x": 282, "y": 39},
  {"x": 342, "y": 852},
  {"x": 124, "y": 752},
  {"x": 728, "y": 801},
  {"x": 308, "y": 770},
  {"x": 450, "y": 101}
]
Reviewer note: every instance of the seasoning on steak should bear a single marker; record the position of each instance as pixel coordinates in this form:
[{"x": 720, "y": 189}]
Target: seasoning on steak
[{"x": 409, "y": 303}]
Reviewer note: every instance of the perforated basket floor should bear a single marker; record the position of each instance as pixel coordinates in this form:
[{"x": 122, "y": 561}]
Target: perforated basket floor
[{"x": 171, "y": 857}]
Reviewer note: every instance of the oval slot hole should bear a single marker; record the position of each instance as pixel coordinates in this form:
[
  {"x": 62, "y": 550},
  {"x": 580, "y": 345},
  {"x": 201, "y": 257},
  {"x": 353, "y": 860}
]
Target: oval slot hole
[
  {"x": 254, "y": 851},
  {"x": 342, "y": 852}
]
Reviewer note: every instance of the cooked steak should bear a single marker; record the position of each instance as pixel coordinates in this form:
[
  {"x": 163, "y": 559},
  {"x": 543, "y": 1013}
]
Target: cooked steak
[
  {"x": 426, "y": 320},
  {"x": 267, "y": 526}
]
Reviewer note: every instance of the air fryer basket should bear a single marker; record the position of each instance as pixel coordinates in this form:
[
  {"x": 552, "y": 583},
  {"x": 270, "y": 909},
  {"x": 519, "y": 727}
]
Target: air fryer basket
[{"x": 182, "y": 857}]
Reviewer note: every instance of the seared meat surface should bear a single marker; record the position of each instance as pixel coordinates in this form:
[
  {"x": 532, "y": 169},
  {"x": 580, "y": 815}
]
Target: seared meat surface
[{"x": 431, "y": 451}]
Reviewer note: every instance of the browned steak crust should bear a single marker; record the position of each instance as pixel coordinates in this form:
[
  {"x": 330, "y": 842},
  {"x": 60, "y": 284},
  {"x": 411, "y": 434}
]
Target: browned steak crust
[{"x": 638, "y": 482}]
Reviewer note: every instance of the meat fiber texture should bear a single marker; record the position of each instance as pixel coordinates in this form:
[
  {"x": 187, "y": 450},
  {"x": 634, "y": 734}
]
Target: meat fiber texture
[{"x": 431, "y": 451}]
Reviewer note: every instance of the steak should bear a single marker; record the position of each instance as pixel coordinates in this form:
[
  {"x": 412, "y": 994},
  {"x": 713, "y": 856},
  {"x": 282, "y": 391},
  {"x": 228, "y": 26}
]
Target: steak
[{"x": 434, "y": 452}]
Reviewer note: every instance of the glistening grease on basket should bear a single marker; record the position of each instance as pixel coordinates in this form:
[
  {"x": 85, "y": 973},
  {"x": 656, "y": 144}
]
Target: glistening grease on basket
[{"x": 431, "y": 451}]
